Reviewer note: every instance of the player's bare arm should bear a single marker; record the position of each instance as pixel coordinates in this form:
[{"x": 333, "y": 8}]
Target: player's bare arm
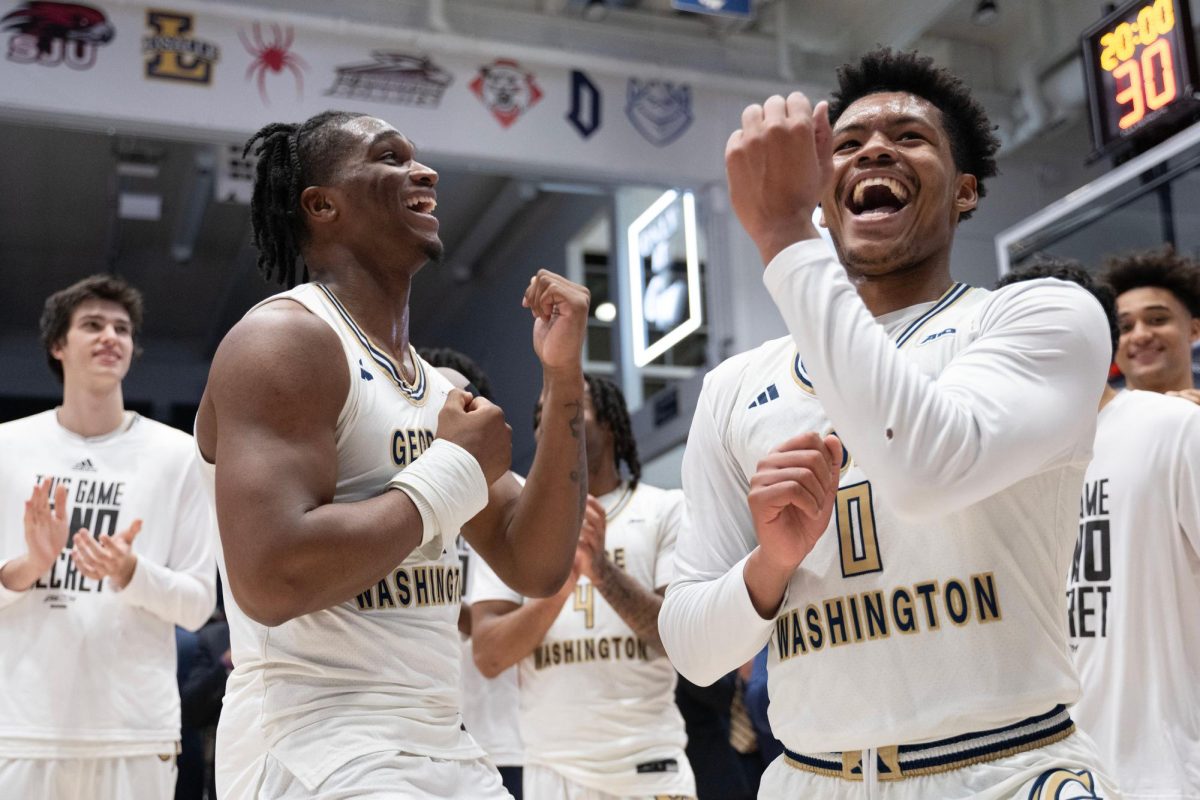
[
  {"x": 774, "y": 205},
  {"x": 45, "y": 537},
  {"x": 503, "y": 633},
  {"x": 528, "y": 535},
  {"x": 267, "y": 420},
  {"x": 791, "y": 499},
  {"x": 633, "y": 602}
]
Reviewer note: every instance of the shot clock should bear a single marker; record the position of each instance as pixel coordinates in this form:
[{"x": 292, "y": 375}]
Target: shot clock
[{"x": 1141, "y": 71}]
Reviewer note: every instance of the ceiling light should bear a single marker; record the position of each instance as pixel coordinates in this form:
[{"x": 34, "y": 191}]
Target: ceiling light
[{"x": 986, "y": 12}]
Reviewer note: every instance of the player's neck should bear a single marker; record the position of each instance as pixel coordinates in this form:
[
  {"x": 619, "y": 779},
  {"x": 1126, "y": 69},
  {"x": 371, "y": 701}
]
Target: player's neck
[
  {"x": 1107, "y": 396},
  {"x": 603, "y": 480},
  {"x": 1176, "y": 383},
  {"x": 901, "y": 288},
  {"x": 89, "y": 411},
  {"x": 378, "y": 301}
]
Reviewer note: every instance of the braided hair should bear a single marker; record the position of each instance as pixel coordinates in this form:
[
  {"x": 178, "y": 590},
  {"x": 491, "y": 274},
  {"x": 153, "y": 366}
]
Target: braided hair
[
  {"x": 291, "y": 157},
  {"x": 608, "y": 404}
]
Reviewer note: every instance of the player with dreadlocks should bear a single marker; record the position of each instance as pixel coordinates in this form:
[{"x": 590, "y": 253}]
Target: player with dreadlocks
[
  {"x": 598, "y": 714},
  {"x": 340, "y": 461}
]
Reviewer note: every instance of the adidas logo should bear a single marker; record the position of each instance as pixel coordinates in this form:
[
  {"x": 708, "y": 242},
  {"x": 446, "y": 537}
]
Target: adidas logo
[
  {"x": 765, "y": 396},
  {"x": 85, "y": 466}
]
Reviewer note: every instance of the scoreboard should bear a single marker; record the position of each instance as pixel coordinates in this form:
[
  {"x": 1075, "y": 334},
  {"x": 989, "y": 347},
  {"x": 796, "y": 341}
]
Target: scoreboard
[{"x": 1140, "y": 63}]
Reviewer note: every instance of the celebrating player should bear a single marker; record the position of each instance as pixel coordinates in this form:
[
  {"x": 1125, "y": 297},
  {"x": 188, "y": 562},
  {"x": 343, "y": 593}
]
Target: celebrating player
[
  {"x": 1135, "y": 577},
  {"x": 1158, "y": 314},
  {"x": 888, "y": 495},
  {"x": 598, "y": 713},
  {"x": 111, "y": 550},
  {"x": 345, "y": 637}
]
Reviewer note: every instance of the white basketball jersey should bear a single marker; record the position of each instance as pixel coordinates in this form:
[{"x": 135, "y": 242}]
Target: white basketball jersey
[
  {"x": 897, "y": 627},
  {"x": 1134, "y": 595},
  {"x": 597, "y": 702},
  {"x": 381, "y": 670},
  {"x": 490, "y": 706}
]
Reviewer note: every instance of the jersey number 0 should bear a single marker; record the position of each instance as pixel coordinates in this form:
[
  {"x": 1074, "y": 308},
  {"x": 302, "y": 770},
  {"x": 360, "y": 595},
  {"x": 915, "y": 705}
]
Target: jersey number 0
[{"x": 857, "y": 538}]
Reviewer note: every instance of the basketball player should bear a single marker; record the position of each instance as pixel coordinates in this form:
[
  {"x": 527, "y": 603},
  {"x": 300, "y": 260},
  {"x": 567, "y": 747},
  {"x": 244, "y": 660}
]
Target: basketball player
[
  {"x": 1158, "y": 313},
  {"x": 909, "y": 569},
  {"x": 106, "y": 544},
  {"x": 1135, "y": 576},
  {"x": 490, "y": 706},
  {"x": 344, "y": 468},
  {"x": 598, "y": 714}
]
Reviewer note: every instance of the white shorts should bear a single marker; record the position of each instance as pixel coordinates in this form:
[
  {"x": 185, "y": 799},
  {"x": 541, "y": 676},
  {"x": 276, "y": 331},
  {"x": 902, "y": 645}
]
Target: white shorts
[
  {"x": 389, "y": 776},
  {"x": 1065, "y": 770},
  {"x": 543, "y": 783},
  {"x": 124, "y": 778}
]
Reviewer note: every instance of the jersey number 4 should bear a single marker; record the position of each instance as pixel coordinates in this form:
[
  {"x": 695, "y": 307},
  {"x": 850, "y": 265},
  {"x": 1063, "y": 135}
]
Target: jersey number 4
[
  {"x": 857, "y": 537},
  {"x": 585, "y": 602}
]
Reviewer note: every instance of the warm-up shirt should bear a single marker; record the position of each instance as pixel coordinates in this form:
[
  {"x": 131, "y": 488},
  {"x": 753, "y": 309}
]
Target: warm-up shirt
[
  {"x": 89, "y": 670},
  {"x": 1134, "y": 596},
  {"x": 934, "y": 603}
]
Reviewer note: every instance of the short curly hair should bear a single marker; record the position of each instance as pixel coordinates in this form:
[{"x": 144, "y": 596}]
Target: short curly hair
[
  {"x": 1161, "y": 268},
  {"x": 973, "y": 142},
  {"x": 60, "y": 306}
]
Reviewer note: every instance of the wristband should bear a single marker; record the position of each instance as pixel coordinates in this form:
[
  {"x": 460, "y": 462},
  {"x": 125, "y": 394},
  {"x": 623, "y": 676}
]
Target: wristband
[{"x": 447, "y": 486}]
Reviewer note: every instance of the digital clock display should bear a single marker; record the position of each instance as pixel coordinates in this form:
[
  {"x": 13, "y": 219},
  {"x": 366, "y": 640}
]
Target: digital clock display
[{"x": 1140, "y": 66}]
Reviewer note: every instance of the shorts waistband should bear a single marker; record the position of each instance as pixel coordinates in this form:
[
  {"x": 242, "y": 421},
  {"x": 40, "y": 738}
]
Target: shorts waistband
[{"x": 897, "y": 762}]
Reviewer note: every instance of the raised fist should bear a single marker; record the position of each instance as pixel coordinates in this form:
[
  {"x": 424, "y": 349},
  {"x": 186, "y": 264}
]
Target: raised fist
[{"x": 560, "y": 313}]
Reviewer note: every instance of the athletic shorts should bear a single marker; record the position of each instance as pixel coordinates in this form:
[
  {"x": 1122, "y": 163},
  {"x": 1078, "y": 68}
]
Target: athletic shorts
[
  {"x": 543, "y": 783},
  {"x": 389, "y": 775},
  {"x": 1067, "y": 769},
  {"x": 122, "y": 778}
]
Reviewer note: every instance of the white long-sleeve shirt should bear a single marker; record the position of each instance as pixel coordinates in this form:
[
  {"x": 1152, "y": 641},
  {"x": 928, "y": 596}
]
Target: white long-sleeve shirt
[
  {"x": 90, "y": 670},
  {"x": 933, "y": 605},
  {"x": 1134, "y": 596}
]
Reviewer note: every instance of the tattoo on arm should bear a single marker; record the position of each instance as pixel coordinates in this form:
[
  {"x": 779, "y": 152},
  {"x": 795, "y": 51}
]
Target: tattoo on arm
[
  {"x": 634, "y": 603},
  {"x": 575, "y": 423}
]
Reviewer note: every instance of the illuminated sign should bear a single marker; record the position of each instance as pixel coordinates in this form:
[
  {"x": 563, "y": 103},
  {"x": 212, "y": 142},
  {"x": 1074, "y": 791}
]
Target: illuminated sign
[
  {"x": 1141, "y": 67},
  {"x": 664, "y": 276}
]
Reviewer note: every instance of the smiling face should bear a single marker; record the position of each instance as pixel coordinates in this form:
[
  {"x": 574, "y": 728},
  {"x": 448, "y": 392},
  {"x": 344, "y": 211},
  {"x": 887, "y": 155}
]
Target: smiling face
[
  {"x": 379, "y": 197},
  {"x": 897, "y": 195},
  {"x": 1155, "y": 349},
  {"x": 98, "y": 346}
]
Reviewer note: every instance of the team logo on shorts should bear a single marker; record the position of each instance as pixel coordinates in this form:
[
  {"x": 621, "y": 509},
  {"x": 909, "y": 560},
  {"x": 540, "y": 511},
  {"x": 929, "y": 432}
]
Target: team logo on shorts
[
  {"x": 173, "y": 53},
  {"x": 1064, "y": 784},
  {"x": 506, "y": 89},
  {"x": 391, "y": 77},
  {"x": 660, "y": 110},
  {"x": 56, "y": 33}
]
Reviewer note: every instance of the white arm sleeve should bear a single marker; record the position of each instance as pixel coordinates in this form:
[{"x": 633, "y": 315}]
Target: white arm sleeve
[
  {"x": 1016, "y": 401},
  {"x": 708, "y": 623},
  {"x": 1187, "y": 480},
  {"x": 672, "y": 519},
  {"x": 183, "y": 591}
]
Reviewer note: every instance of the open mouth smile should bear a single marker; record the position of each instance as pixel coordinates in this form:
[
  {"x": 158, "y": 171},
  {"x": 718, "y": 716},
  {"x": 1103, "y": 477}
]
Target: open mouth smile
[{"x": 877, "y": 196}]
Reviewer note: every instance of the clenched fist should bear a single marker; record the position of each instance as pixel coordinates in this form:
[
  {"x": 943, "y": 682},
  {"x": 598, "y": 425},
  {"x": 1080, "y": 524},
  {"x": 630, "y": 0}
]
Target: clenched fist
[
  {"x": 560, "y": 313},
  {"x": 778, "y": 165},
  {"x": 792, "y": 494},
  {"x": 477, "y": 425}
]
